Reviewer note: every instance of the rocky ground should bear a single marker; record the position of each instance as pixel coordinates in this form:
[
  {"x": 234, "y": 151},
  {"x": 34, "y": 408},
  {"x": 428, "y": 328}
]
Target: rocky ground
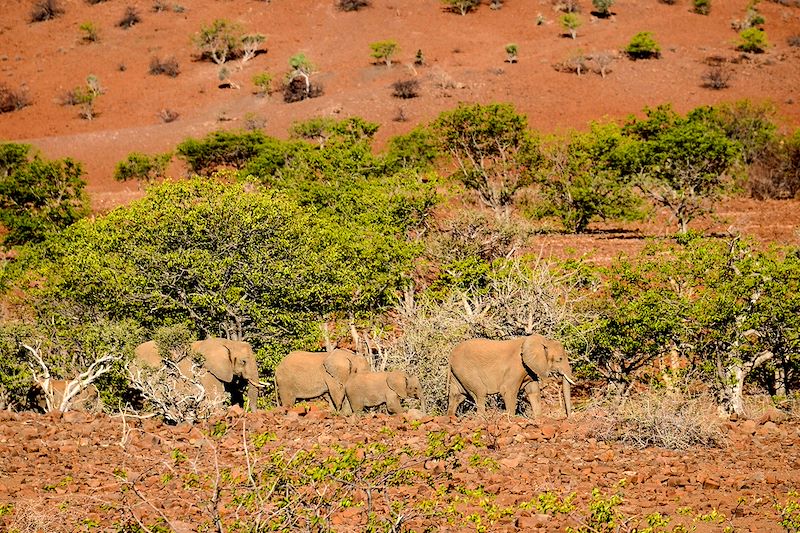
[{"x": 305, "y": 469}]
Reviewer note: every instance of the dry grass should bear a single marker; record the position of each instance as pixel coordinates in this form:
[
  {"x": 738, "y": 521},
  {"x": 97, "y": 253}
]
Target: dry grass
[{"x": 673, "y": 421}]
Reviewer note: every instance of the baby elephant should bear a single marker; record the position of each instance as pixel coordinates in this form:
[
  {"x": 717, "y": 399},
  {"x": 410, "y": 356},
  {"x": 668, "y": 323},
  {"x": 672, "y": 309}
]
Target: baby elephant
[{"x": 370, "y": 389}]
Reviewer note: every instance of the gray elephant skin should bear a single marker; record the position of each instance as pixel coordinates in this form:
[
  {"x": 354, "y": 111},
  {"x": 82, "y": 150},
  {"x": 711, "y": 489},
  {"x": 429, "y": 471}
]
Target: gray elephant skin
[
  {"x": 372, "y": 389},
  {"x": 88, "y": 399},
  {"x": 226, "y": 362},
  {"x": 308, "y": 375},
  {"x": 479, "y": 367}
]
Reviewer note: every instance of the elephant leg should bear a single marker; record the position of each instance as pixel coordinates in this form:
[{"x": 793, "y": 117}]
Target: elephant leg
[
  {"x": 252, "y": 397},
  {"x": 480, "y": 401},
  {"x": 510, "y": 399},
  {"x": 393, "y": 404},
  {"x": 533, "y": 393},
  {"x": 455, "y": 397},
  {"x": 286, "y": 398},
  {"x": 215, "y": 389},
  {"x": 336, "y": 392}
]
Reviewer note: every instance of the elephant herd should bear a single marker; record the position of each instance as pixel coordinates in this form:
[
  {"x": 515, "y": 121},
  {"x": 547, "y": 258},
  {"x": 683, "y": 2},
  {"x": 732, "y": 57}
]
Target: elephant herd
[{"x": 478, "y": 368}]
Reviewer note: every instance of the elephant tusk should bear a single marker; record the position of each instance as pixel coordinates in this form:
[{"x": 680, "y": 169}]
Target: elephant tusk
[
  {"x": 257, "y": 384},
  {"x": 569, "y": 379}
]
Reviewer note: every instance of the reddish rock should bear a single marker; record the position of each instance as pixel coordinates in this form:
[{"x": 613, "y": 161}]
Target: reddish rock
[
  {"x": 536, "y": 521},
  {"x": 548, "y": 431}
]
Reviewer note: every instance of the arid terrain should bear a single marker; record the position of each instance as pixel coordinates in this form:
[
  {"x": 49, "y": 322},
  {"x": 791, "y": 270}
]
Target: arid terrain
[{"x": 81, "y": 472}]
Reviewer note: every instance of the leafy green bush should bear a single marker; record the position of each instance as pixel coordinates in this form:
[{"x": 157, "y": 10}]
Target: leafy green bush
[
  {"x": 38, "y": 197},
  {"x": 603, "y": 7},
  {"x": 701, "y": 7},
  {"x": 753, "y": 40},
  {"x": 461, "y": 6},
  {"x": 384, "y": 50},
  {"x": 571, "y": 22},
  {"x": 220, "y": 41},
  {"x": 263, "y": 82},
  {"x": 141, "y": 167},
  {"x": 643, "y": 46},
  {"x": 220, "y": 149}
]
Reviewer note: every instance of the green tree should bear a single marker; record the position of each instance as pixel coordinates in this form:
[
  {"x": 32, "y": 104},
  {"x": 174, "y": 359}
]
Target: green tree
[
  {"x": 582, "y": 179},
  {"x": 220, "y": 149},
  {"x": 603, "y": 7},
  {"x": 753, "y": 40},
  {"x": 142, "y": 167},
  {"x": 680, "y": 163},
  {"x": 643, "y": 46},
  {"x": 384, "y": 50},
  {"x": 461, "y": 6},
  {"x": 571, "y": 22},
  {"x": 220, "y": 41},
  {"x": 494, "y": 151},
  {"x": 702, "y": 7},
  {"x": 38, "y": 197}
]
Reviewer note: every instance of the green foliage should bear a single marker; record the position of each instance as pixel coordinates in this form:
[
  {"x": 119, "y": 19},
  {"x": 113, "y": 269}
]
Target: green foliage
[
  {"x": 220, "y": 41},
  {"x": 571, "y": 22},
  {"x": 752, "y": 125},
  {"x": 583, "y": 180},
  {"x": 142, "y": 167},
  {"x": 643, "y": 46},
  {"x": 753, "y": 40},
  {"x": 299, "y": 62},
  {"x": 493, "y": 149},
  {"x": 701, "y": 7},
  {"x": 263, "y": 82},
  {"x": 384, "y": 50},
  {"x": 681, "y": 162},
  {"x": 221, "y": 149},
  {"x": 416, "y": 149},
  {"x": 603, "y": 7},
  {"x": 790, "y": 512},
  {"x": 38, "y": 197},
  {"x": 90, "y": 33},
  {"x": 511, "y": 51}
]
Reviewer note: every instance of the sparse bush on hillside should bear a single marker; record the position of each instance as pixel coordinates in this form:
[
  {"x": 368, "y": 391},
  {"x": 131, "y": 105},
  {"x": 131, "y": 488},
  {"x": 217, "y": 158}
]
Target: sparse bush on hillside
[
  {"x": 405, "y": 88},
  {"x": 384, "y": 50},
  {"x": 167, "y": 115},
  {"x": 85, "y": 97},
  {"x": 603, "y": 7},
  {"x": 220, "y": 41},
  {"x": 220, "y": 149},
  {"x": 461, "y": 6},
  {"x": 701, "y": 7},
  {"x": 753, "y": 40},
  {"x": 167, "y": 67},
  {"x": 90, "y": 33},
  {"x": 298, "y": 85},
  {"x": 643, "y": 46},
  {"x": 352, "y": 5},
  {"x": 567, "y": 6},
  {"x": 717, "y": 76},
  {"x": 141, "y": 167},
  {"x": 130, "y": 18},
  {"x": 13, "y": 99},
  {"x": 571, "y": 22},
  {"x": 752, "y": 18},
  {"x": 263, "y": 83},
  {"x": 793, "y": 41},
  {"x": 511, "y": 53},
  {"x": 251, "y": 45},
  {"x": 43, "y": 10}
]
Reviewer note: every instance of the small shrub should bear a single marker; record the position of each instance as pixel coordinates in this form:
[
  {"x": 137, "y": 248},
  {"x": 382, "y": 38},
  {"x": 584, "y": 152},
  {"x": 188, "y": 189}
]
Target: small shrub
[
  {"x": 384, "y": 50},
  {"x": 753, "y": 40},
  {"x": 511, "y": 53},
  {"x": 168, "y": 115},
  {"x": 419, "y": 58},
  {"x": 701, "y": 7},
  {"x": 220, "y": 41},
  {"x": 567, "y": 6},
  {"x": 575, "y": 64},
  {"x": 160, "y": 6},
  {"x": 461, "y": 6},
  {"x": 12, "y": 99},
  {"x": 794, "y": 41},
  {"x": 84, "y": 96},
  {"x": 253, "y": 122},
  {"x": 90, "y": 34},
  {"x": 263, "y": 83},
  {"x": 405, "y": 88},
  {"x": 496, "y": 4},
  {"x": 352, "y": 5},
  {"x": 603, "y": 7},
  {"x": 571, "y": 22},
  {"x": 669, "y": 2},
  {"x": 643, "y": 46},
  {"x": 717, "y": 76},
  {"x": 95, "y": 2},
  {"x": 296, "y": 90},
  {"x": 45, "y": 10},
  {"x": 167, "y": 67},
  {"x": 400, "y": 116},
  {"x": 141, "y": 167},
  {"x": 130, "y": 18}
]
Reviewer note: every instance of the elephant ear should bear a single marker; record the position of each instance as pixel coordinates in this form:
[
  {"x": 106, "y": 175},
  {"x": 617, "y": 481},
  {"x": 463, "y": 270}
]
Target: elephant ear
[
  {"x": 337, "y": 365},
  {"x": 398, "y": 382},
  {"x": 218, "y": 358},
  {"x": 534, "y": 355}
]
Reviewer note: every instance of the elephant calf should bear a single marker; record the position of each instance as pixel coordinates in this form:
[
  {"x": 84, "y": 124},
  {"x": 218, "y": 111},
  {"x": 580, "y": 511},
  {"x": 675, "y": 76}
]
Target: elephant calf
[{"x": 370, "y": 389}]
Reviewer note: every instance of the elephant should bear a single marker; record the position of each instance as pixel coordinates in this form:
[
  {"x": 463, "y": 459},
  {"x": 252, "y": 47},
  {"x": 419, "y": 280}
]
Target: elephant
[
  {"x": 307, "y": 375},
  {"x": 227, "y": 363},
  {"x": 370, "y": 389},
  {"x": 88, "y": 399},
  {"x": 479, "y": 367}
]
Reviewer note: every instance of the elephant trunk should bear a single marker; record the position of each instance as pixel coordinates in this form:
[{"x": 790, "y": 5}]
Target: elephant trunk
[
  {"x": 565, "y": 384},
  {"x": 252, "y": 394}
]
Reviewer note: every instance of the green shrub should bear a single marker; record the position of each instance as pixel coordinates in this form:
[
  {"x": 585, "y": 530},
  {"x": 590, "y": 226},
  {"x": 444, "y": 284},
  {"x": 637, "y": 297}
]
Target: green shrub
[
  {"x": 141, "y": 167},
  {"x": 220, "y": 41},
  {"x": 643, "y": 46},
  {"x": 603, "y": 7},
  {"x": 220, "y": 149},
  {"x": 511, "y": 53},
  {"x": 753, "y": 40},
  {"x": 38, "y": 197},
  {"x": 701, "y": 7},
  {"x": 461, "y": 6},
  {"x": 263, "y": 82},
  {"x": 90, "y": 34},
  {"x": 384, "y": 50},
  {"x": 571, "y": 22}
]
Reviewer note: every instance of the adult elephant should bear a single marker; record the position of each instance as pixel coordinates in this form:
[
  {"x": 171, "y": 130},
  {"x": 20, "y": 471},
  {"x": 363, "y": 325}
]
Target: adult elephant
[
  {"x": 479, "y": 367},
  {"x": 370, "y": 389},
  {"x": 227, "y": 363},
  {"x": 307, "y": 375}
]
